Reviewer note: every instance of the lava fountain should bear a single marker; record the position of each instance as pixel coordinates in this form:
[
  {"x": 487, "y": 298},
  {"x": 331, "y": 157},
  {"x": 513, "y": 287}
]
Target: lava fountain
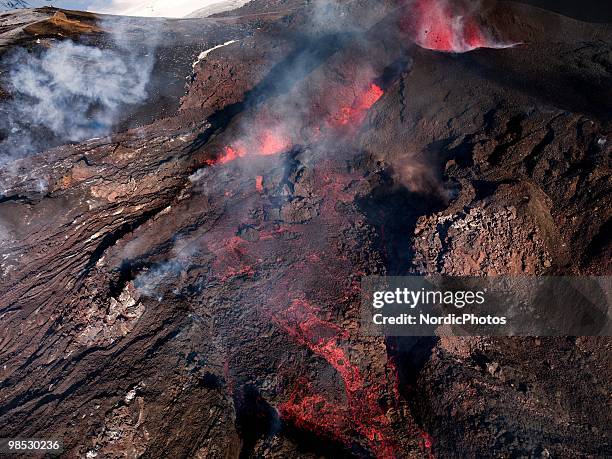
[{"x": 453, "y": 27}]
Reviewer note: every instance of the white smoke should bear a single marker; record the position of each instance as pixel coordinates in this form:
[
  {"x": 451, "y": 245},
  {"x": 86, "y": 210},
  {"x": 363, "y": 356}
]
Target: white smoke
[
  {"x": 76, "y": 90},
  {"x": 70, "y": 92},
  {"x": 148, "y": 282}
]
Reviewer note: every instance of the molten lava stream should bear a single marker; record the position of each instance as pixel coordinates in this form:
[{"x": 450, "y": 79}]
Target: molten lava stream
[
  {"x": 314, "y": 412},
  {"x": 355, "y": 113},
  {"x": 259, "y": 183},
  {"x": 267, "y": 141},
  {"x": 263, "y": 143}
]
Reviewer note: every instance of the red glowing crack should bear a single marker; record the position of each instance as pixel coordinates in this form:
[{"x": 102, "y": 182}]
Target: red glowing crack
[
  {"x": 362, "y": 413},
  {"x": 259, "y": 183},
  {"x": 355, "y": 114}
]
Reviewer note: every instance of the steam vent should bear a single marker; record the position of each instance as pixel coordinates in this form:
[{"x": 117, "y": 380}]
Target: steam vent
[{"x": 191, "y": 210}]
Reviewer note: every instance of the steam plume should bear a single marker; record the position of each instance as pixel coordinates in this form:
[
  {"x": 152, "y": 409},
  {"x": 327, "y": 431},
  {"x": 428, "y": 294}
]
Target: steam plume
[{"x": 69, "y": 93}]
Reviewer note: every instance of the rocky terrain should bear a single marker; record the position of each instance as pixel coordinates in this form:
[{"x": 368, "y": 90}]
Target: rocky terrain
[{"x": 187, "y": 283}]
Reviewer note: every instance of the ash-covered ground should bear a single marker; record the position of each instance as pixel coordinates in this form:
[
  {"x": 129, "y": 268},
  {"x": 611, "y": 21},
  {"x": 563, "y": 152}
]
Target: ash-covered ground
[{"x": 183, "y": 229}]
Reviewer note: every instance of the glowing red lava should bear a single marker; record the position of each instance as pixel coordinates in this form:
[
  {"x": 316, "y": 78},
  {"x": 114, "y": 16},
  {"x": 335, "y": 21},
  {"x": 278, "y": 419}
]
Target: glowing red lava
[
  {"x": 427, "y": 442},
  {"x": 270, "y": 143},
  {"x": 266, "y": 141},
  {"x": 231, "y": 153},
  {"x": 313, "y": 411},
  {"x": 355, "y": 113},
  {"x": 442, "y": 25},
  {"x": 263, "y": 143}
]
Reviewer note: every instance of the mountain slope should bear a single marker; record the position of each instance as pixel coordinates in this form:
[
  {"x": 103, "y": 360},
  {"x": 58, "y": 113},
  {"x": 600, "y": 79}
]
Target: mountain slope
[
  {"x": 176, "y": 9},
  {"x": 190, "y": 287}
]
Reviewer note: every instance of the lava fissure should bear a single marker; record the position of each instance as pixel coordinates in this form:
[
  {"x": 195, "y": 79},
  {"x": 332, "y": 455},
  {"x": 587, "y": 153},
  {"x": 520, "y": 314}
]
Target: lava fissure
[
  {"x": 326, "y": 339},
  {"x": 279, "y": 80}
]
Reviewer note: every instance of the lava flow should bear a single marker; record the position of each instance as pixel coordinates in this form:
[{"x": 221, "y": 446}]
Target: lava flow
[
  {"x": 313, "y": 411},
  {"x": 354, "y": 114},
  {"x": 264, "y": 143},
  {"x": 270, "y": 137}
]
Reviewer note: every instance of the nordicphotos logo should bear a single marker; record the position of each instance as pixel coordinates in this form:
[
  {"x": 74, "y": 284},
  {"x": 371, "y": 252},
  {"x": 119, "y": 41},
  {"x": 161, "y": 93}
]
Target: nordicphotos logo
[
  {"x": 413, "y": 299},
  {"x": 486, "y": 306}
]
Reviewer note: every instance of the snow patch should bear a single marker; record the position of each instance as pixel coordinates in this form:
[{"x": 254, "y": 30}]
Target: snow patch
[
  {"x": 203, "y": 54},
  {"x": 216, "y": 8},
  {"x": 165, "y": 8}
]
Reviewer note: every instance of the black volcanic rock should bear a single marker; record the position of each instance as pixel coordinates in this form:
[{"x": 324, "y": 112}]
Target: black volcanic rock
[
  {"x": 589, "y": 10},
  {"x": 165, "y": 293}
]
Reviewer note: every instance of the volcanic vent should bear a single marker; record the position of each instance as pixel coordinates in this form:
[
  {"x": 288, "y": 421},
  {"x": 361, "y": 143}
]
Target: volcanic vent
[{"x": 190, "y": 287}]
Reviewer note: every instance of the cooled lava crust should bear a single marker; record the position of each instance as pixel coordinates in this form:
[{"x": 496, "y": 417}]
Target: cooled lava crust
[{"x": 189, "y": 285}]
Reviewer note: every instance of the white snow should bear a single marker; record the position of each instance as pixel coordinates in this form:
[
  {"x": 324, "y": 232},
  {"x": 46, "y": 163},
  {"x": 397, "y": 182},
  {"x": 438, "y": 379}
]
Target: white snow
[
  {"x": 217, "y": 6},
  {"x": 168, "y": 9},
  {"x": 203, "y": 54}
]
